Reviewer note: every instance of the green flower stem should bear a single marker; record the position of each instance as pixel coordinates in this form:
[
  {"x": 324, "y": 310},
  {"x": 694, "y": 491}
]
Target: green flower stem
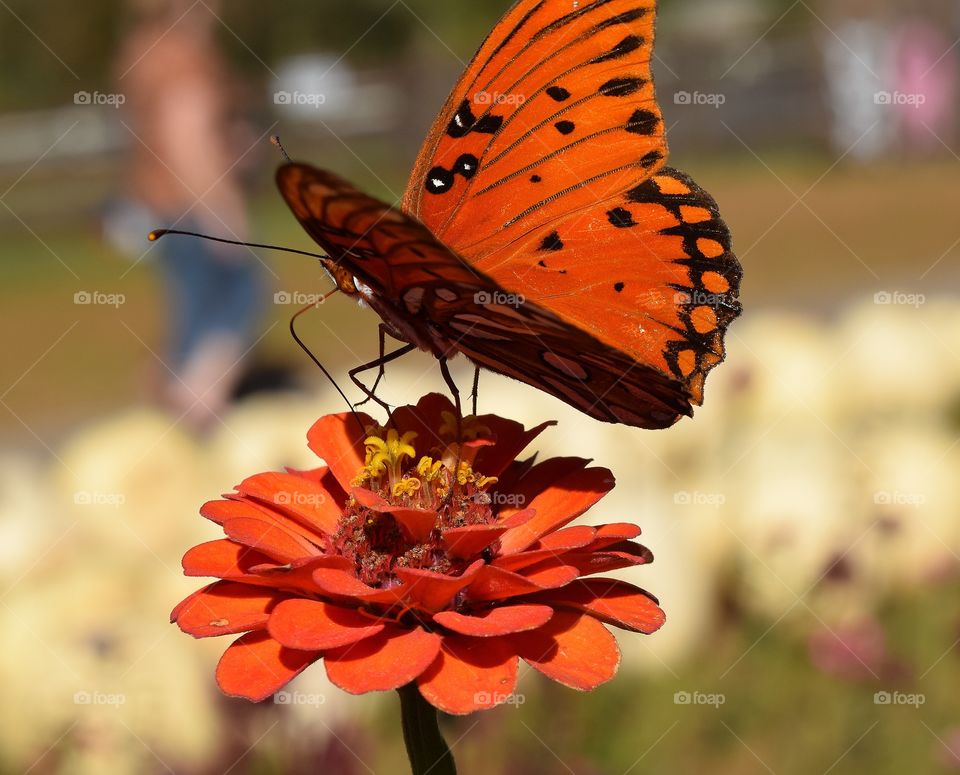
[{"x": 426, "y": 747}]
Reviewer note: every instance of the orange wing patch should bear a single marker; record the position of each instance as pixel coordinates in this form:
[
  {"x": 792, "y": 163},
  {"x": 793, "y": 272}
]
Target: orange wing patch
[{"x": 637, "y": 273}]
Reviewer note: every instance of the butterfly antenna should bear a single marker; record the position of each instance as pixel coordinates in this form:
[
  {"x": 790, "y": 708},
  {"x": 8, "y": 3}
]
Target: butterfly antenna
[
  {"x": 275, "y": 139},
  {"x": 157, "y": 234},
  {"x": 309, "y": 352}
]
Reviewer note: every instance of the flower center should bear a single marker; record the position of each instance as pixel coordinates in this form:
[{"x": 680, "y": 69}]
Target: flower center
[{"x": 403, "y": 505}]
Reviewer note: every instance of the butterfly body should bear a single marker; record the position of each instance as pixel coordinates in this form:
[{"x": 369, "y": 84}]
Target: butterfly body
[{"x": 542, "y": 235}]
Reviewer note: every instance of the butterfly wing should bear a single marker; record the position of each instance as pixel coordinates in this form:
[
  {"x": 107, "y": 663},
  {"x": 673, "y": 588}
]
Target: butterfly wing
[
  {"x": 431, "y": 297},
  {"x": 545, "y": 170}
]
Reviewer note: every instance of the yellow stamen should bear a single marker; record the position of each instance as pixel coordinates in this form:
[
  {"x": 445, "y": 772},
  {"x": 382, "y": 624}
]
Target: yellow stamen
[{"x": 406, "y": 487}]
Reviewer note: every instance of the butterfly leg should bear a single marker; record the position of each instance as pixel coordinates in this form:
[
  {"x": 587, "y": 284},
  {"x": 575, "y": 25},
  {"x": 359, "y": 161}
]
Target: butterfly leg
[
  {"x": 475, "y": 394},
  {"x": 378, "y": 363},
  {"x": 381, "y": 373}
]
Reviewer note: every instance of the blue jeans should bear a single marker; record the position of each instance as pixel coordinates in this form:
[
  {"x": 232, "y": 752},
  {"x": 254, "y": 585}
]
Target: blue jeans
[{"x": 208, "y": 294}]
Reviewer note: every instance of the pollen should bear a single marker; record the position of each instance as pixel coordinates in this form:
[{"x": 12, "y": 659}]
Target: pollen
[{"x": 378, "y": 541}]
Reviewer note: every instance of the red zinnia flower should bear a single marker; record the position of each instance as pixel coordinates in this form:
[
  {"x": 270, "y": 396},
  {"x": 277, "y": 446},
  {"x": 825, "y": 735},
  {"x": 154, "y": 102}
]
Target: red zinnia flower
[{"x": 393, "y": 568}]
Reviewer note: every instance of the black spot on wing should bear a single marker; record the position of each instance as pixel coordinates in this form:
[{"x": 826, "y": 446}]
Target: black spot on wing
[
  {"x": 624, "y": 48},
  {"x": 565, "y": 127},
  {"x": 621, "y": 87},
  {"x": 621, "y": 218},
  {"x": 462, "y": 121},
  {"x": 465, "y": 121},
  {"x": 536, "y": 179},
  {"x": 619, "y": 287},
  {"x": 651, "y": 159},
  {"x": 624, "y": 18},
  {"x": 558, "y": 93},
  {"x": 439, "y": 180},
  {"x": 552, "y": 242},
  {"x": 466, "y": 166},
  {"x": 643, "y": 122}
]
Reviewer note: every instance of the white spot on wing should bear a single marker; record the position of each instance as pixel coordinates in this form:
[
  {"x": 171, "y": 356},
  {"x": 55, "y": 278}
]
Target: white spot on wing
[{"x": 414, "y": 300}]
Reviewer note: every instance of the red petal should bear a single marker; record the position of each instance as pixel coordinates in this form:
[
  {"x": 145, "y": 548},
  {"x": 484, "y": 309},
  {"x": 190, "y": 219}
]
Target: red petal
[
  {"x": 255, "y": 666},
  {"x": 304, "y": 500},
  {"x": 222, "y": 510},
  {"x": 470, "y": 674},
  {"x": 368, "y": 498},
  {"x": 339, "y": 440},
  {"x": 612, "y": 601},
  {"x": 502, "y": 620},
  {"x": 573, "y": 649},
  {"x": 511, "y": 438},
  {"x": 269, "y": 538},
  {"x": 256, "y": 509},
  {"x": 434, "y": 591},
  {"x": 552, "y": 545},
  {"x": 425, "y": 419},
  {"x": 607, "y": 535},
  {"x": 221, "y": 558},
  {"x": 323, "y": 476},
  {"x": 468, "y": 542},
  {"x": 627, "y": 555},
  {"x": 226, "y": 607},
  {"x": 567, "y": 499},
  {"x": 229, "y": 560},
  {"x": 388, "y": 660},
  {"x": 311, "y": 625},
  {"x": 494, "y": 583},
  {"x": 341, "y": 583},
  {"x": 539, "y": 478},
  {"x": 417, "y": 523}
]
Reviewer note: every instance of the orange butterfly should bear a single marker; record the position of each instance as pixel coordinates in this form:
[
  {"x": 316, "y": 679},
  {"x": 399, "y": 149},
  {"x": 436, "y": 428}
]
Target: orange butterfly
[{"x": 541, "y": 234}]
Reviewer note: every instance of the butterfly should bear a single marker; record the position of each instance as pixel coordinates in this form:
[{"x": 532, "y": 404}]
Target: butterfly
[{"x": 541, "y": 234}]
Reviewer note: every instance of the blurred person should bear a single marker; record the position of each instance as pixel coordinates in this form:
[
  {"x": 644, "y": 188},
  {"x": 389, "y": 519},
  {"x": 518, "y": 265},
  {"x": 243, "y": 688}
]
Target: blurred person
[
  {"x": 183, "y": 169},
  {"x": 926, "y": 85},
  {"x": 857, "y": 52}
]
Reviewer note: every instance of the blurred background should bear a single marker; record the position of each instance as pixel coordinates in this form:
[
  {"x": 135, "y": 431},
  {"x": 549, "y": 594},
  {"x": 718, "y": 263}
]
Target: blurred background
[{"x": 804, "y": 524}]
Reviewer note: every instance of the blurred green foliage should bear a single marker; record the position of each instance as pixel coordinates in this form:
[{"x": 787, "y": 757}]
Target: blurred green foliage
[{"x": 49, "y": 49}]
